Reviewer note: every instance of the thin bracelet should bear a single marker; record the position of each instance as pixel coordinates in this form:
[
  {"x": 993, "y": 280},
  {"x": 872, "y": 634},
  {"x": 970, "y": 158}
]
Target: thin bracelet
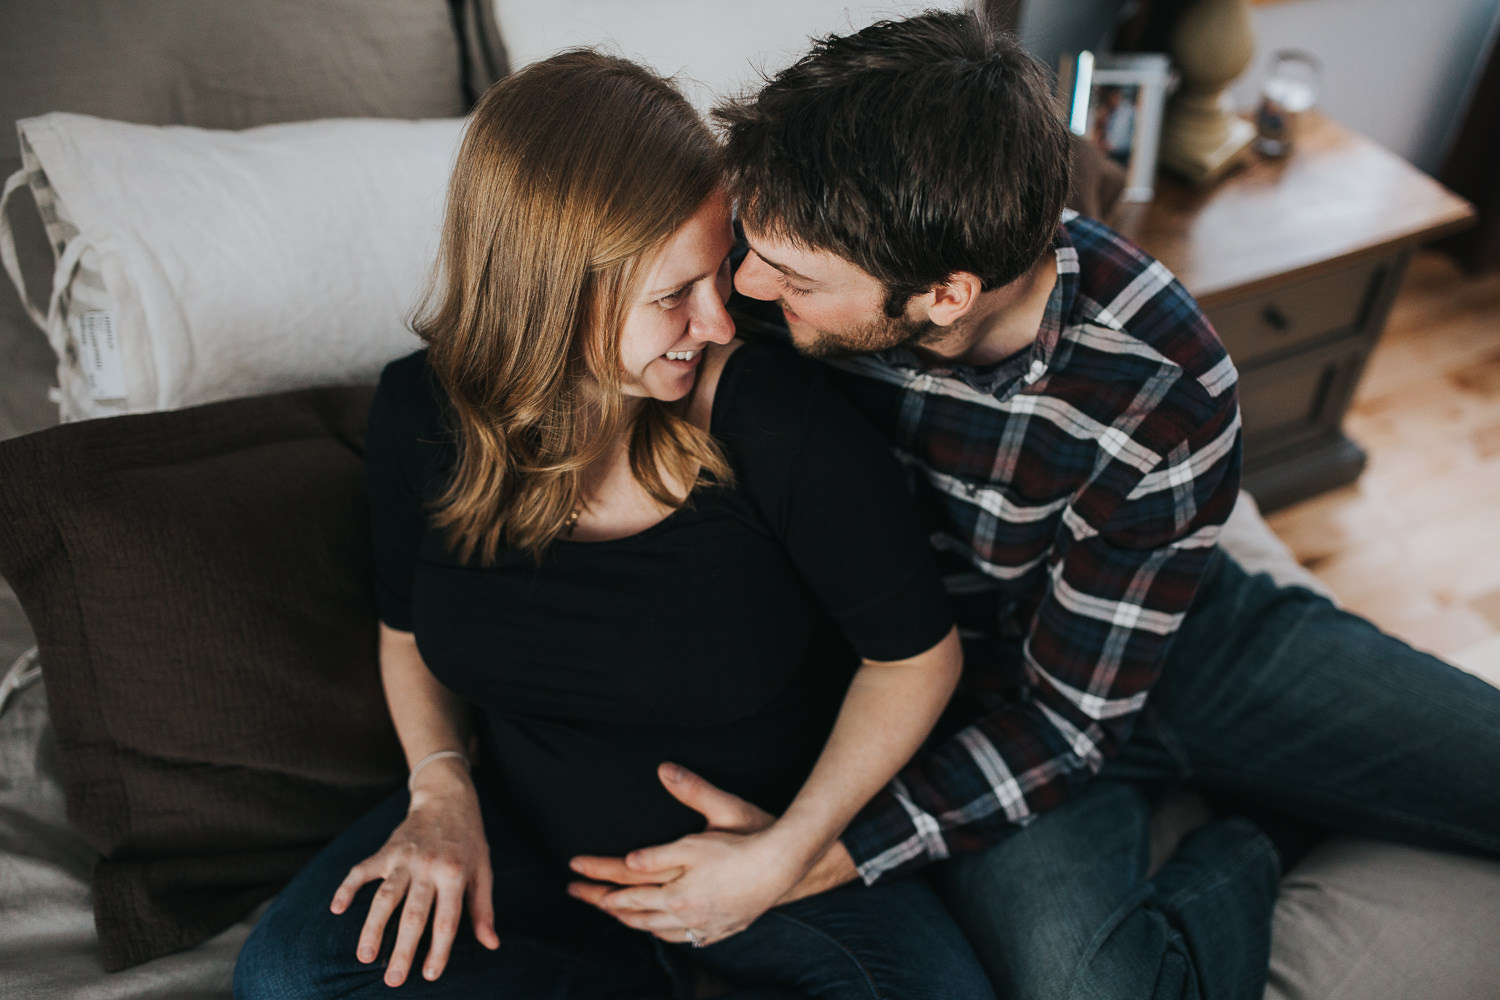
[{"x": 435, "y": 755}]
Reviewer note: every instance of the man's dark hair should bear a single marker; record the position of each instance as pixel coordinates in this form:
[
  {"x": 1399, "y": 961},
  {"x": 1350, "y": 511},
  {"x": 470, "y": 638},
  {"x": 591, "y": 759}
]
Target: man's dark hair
[{"x": 913, "y": 148}]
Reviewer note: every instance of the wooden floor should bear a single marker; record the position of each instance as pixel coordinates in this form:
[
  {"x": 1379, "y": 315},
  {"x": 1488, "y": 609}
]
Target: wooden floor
[{"x": 1414, "y": 545}]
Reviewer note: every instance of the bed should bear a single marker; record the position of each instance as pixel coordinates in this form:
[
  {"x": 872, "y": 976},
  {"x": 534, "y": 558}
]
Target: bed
[{"x": 1356, "y": 920}]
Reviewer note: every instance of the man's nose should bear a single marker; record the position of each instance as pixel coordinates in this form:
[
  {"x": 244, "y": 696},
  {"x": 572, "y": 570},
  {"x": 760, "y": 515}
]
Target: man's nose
[{"x": 756, "y": 279}]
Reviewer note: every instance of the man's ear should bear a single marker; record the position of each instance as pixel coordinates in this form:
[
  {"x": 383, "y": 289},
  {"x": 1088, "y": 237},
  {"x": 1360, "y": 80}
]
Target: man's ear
[{"x": 953, "y": 299}]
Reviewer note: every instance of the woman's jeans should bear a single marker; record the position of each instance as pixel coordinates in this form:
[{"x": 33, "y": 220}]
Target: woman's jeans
[
  {"x": 889, "y": 942},
  {"x": 1270, "y": 696}
]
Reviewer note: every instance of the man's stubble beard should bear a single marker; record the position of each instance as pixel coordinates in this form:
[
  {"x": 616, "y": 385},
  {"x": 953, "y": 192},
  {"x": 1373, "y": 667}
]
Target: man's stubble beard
[{"x": 882, "y": 334}]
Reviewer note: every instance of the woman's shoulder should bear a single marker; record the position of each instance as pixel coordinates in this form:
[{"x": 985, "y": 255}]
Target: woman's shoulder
[
  {"x": 409, "y": 395},
  {"x": 409, "y": 381},
  {"x": 407, "y": 416},
  {"x": 765, "y": 384}
]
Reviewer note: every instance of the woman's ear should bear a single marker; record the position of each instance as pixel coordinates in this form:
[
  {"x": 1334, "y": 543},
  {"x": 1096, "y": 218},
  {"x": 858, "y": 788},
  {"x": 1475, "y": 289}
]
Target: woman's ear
[{"x": 953, "y": 299}]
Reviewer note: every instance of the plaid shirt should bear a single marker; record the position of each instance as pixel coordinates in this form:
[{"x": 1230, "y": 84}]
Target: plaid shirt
[{"x": 1075, "y": 492}]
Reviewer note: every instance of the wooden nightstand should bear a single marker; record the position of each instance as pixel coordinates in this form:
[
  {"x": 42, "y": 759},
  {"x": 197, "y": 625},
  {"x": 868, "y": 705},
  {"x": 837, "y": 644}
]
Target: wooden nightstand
[{"x": 1296, "y": 262}]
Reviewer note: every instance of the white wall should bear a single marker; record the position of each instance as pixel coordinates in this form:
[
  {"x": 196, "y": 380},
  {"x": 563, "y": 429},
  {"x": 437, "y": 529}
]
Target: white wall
[
  {"x": 715, "y": 45},
  {"x": 1394, "y": 70}
]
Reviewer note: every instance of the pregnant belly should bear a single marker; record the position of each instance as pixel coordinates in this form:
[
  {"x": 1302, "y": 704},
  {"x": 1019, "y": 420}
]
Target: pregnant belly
[{"x": 585, "y": 788}]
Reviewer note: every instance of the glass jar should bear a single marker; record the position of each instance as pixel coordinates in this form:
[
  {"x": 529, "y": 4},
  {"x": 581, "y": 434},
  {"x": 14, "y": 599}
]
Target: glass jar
[{"x": 1290, "y": 90}]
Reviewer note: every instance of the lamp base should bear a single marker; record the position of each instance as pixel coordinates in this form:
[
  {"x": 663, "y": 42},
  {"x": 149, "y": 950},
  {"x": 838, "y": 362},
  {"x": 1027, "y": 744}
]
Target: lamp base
[{"x": 1200, "y": 163}]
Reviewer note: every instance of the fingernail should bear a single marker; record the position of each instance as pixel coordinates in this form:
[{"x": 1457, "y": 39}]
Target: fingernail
[
  {"x": 429, "y": 974},
  {"x": 671, "y": 772},
  {"x": 366, "y": 955}
]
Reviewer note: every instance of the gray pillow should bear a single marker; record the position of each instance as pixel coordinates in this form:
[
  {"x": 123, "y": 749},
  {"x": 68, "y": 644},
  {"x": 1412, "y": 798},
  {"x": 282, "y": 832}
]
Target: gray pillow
[
  {"x": 198, "y": 582},
  {"x": 230, "y": 65}
]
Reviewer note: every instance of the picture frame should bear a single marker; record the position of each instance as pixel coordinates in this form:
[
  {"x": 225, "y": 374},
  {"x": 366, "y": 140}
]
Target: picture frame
[{"x": 1116, "y": 102}]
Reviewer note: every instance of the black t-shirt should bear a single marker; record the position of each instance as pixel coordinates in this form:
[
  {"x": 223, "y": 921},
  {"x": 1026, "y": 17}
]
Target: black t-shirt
[{"x": 713, "y": 638}]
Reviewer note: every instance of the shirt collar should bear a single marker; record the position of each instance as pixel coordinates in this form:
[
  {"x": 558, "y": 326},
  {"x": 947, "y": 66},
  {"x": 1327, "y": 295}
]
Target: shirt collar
[{"x": 1026, "y": 367}]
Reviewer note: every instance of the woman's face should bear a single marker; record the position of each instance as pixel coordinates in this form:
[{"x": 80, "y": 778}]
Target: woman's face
[{"x": 680, "y": 307}]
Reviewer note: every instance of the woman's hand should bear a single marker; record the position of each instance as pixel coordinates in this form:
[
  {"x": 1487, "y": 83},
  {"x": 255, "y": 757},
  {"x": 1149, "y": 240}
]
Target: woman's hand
[
  {"x": 434, "y": 860},
  {"x": 724, "y": 881}
]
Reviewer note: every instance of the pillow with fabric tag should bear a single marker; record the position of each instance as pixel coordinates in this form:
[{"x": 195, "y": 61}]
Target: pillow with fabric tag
[{"x": 195, "y": 265}]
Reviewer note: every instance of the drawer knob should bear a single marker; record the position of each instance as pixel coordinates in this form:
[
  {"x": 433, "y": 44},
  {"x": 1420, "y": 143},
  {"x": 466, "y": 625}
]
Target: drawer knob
[{"x": 1275, "y": 319}]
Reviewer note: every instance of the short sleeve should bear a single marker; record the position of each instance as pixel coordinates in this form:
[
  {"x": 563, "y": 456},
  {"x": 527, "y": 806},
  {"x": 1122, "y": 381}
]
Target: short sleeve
[
  {"x": 399, "y": 432},
  {"x": 831, "y": 490}
]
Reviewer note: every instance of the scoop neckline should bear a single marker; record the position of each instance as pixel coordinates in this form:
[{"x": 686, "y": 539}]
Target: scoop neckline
[{"x": 721, "y": 394}]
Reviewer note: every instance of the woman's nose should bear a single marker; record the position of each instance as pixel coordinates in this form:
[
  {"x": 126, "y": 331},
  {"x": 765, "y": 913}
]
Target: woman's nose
[{"x": 712, "y": 321}]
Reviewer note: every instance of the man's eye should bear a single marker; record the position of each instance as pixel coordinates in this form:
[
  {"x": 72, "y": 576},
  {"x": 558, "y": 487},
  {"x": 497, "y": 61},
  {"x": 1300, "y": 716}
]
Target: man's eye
[{"x": 788, "y": 287}]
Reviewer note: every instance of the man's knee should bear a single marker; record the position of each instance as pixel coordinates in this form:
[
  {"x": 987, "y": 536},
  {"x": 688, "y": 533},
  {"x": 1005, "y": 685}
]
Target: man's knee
[{"x": 1039, "y": 905}]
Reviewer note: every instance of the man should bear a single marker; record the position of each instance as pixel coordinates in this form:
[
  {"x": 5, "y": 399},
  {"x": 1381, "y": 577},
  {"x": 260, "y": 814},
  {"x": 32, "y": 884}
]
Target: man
[{"x": 1069, "y": 423}]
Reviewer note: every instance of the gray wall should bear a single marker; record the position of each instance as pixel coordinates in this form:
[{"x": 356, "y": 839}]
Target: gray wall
[
  {"x": 1394, "y": 70},
  {"x": 715, "y": 46}
]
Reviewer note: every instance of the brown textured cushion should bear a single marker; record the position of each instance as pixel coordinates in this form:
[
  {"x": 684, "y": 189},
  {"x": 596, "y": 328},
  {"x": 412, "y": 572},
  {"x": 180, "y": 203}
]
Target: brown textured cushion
[{"x": 198, "y": 582}]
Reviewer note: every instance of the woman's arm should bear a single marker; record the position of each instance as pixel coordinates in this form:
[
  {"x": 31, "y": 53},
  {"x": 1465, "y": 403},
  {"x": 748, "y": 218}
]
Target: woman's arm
[
  {"x": 438, "y": 856},
  {"x": 889, "y": 710},
  {"x": 729, "y": 879}
]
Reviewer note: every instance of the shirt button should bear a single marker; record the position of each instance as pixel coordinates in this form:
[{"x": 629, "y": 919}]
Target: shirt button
[{"x": 1037, "y": 368}]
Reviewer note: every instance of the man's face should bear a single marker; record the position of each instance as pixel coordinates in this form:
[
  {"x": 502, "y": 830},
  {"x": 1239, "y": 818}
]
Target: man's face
[{"x": 832, "y": 306}]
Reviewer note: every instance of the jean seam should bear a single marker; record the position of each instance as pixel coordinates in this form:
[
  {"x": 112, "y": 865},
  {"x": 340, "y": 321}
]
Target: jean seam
[
  {"x": 1169, "y": 742},
  {"x": 1109, "y": 926},
  {"x": 869, "y": 978},
  {"x": 1258, "y": 844},
  {"x": 1461, "y": 835},
  {"x": 556, "y": 949}
]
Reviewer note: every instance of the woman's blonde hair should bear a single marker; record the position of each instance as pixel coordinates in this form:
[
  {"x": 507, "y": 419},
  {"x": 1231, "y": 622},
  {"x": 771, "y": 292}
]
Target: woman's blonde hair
[{"x": 571, "y": 172}]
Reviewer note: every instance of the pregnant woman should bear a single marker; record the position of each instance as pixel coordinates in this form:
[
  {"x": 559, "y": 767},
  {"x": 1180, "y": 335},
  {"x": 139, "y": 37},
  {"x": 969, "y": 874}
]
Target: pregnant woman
[{"x": 610, "y": 538}]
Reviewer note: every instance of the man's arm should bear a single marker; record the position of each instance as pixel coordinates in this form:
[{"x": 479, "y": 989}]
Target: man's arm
[
  {"x": 723, "y": 812},
  {"x": 724, "y": 881},
  {"x": 1110, "y": 590},
  {"x": 1121, "y": 578}
]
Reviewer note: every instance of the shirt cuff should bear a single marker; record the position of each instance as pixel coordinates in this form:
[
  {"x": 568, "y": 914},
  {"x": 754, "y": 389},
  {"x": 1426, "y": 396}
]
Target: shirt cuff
[{"x": 892, "y": 837}]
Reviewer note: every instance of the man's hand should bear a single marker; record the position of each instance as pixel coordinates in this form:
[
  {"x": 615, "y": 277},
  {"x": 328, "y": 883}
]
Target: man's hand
[{"x": 647, "y": 889}]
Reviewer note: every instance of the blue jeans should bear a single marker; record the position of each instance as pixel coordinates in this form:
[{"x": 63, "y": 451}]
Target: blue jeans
[
  {"x": 1273, "y": 697},
  {"x": 891, "y": 942}
]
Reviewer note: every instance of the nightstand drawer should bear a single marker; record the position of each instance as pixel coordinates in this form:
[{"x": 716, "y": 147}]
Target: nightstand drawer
[
  {"x": 1285, "y": 402},
  {"x": 1264, "y": 325}
]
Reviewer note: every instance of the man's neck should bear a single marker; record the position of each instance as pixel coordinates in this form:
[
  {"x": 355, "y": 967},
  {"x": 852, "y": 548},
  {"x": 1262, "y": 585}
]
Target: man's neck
[{"x": 1005, "y": 320}]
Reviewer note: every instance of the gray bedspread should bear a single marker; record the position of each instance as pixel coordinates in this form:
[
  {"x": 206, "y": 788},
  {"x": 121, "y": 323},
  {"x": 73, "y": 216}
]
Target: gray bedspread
[
  {"x": 48, "y": 950},
  {"x": 1356, "y": 921}
]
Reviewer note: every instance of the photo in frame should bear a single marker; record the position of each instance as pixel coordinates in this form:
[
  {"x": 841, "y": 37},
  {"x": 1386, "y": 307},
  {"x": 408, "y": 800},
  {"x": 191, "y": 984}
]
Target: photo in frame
[{"x": 1116, "y": 102}]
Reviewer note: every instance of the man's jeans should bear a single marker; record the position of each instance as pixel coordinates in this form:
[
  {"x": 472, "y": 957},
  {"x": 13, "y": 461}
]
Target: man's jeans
[
  {"x": 890, "y": 942},
  {"x": 1276, "y": 698}
]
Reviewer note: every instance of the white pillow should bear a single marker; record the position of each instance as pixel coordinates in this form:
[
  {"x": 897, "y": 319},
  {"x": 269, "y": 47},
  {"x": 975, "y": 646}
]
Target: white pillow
[{"x": 197, "y": 265}]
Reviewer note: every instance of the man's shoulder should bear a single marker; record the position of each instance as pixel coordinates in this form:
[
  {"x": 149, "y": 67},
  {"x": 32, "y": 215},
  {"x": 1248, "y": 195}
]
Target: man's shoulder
[
  {"x": 1129, "y": 302},
  {"x": 1117, "y": 278}
]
